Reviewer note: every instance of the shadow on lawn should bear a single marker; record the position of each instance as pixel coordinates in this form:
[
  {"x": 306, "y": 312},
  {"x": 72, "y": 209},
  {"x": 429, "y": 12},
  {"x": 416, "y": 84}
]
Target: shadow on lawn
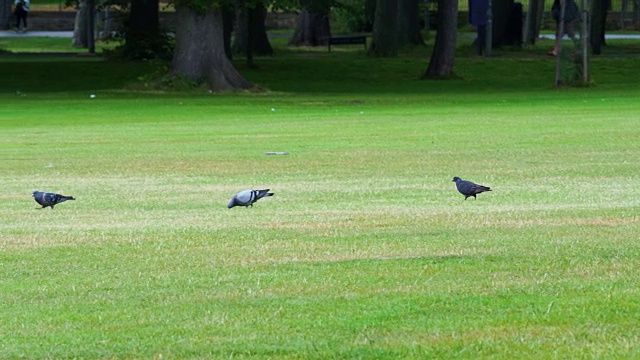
[{"x": 70, "y": 73}]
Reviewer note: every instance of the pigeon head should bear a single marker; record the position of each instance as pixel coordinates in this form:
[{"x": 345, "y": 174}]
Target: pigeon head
[
  {"x": 232, "y": 203},
  {"x": 455, "y": 179}
]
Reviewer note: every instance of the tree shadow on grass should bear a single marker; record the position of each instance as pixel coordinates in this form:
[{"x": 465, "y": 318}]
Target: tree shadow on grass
[{"x": 71, "y": 73}]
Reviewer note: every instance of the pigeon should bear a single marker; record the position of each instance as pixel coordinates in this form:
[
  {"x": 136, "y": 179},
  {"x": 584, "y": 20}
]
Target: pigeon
[
  {"x": 49, "y": 199},
  {"x": 467, "y": 188},
  {"x": 248, "y": 197}
]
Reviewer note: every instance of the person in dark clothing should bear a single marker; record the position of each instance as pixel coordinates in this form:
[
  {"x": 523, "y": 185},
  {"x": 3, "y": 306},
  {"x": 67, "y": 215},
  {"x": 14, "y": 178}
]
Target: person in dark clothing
[
  {"x": 478, "y": 18},
  {"x": 21, "y": 12},
  {"x": 571, "y": 13}
]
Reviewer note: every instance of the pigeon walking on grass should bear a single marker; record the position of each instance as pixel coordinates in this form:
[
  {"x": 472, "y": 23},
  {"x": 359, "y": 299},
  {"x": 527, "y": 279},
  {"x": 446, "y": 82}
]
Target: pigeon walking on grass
[
  {"x": 467, "y": 188},
  {"x": 248, "y": 197},
  {"x": 49, "y": 199}
]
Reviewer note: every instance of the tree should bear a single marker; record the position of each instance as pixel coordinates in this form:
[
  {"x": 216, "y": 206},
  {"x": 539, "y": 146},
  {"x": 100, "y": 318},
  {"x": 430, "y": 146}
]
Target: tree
[
  {"x": 598, "y": 22},
  {"x": 533, "y": 21},
  {"x": 251, "y": 28},
  {"x": 6, "y": 14},
  {"x": 444, "y": 50},
  {"x": 312, "y": 28},
  {"x": 142, "y": 36},
  {"x": 228, "y": 15},
  {"x": 80, "y": 26},
  {"x": 384, "y": 38},
  {"x": 501, "y": 14},
  {"x": 409, "y": 23},
  {"x": 199, "y": 52}
]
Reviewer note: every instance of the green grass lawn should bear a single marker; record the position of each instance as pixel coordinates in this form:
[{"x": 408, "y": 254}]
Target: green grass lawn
[{"x": 365, "y": 251}]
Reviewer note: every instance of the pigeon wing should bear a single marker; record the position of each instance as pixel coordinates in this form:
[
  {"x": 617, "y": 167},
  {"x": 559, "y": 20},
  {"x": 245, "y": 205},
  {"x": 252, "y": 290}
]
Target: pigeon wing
[
  {"x": 262, "y": 193},
  {"x": 245, "y": 198}
]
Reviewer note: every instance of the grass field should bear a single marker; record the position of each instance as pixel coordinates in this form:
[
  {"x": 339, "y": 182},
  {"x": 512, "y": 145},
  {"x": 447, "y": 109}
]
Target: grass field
[{"x": 366, "y": 250}]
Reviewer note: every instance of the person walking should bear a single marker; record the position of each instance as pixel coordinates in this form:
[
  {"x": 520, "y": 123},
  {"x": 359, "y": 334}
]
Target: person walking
[
  {"x": 478, "y": 18},
  {"x": 571, "y": 13},
  {"x": 21, "y": 12}
]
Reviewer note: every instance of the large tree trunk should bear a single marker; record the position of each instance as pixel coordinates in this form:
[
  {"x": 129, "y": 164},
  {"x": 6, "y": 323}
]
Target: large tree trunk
[
  {"x": 250, "y": 25},
  {"x": 199, "y": 52},
  {"x": 312, "y": 29},
  {"x": 80, "y": 28},
  {"x": 444, "y": 50},
  {"x": 598, "y": 22},
  {"x": 384, "y": 39},
  {"x": 533, "y": 21},
  {"x": 501, "y": 10},
  {"x": 142, "y": 38},
  {"x": 409, "y": 23}
]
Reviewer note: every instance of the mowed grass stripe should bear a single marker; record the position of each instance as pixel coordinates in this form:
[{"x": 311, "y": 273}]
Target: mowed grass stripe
[{"x": 366, "y": 250}]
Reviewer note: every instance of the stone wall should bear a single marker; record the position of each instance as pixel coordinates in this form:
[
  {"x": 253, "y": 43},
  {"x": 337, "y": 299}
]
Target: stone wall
[{"x": 63, "y": 21}]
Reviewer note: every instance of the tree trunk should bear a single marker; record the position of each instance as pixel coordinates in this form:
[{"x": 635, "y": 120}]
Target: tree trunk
[
  {"x": 444, "y": 49},
  {"x": 199, "y": 52},
  {"x": 501, "y": 14},
  {"x": 253, "y": 20},
  {"x": 7, "y": 19},
  {"x": 409, "y": 23},
  {"x": 142, "y": 38},
  {"x": 228, "y": 14},
  {"x": 80, "y": 26},
  {"x": 312, "y": 29},
  {"x": 598, "y": 20},
  {"x": 533, "y": 21},
  {"x": 384, "y": 38}
]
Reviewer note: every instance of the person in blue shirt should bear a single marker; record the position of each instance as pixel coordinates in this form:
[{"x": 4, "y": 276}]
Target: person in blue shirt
[
  {"x": 478, "y": 18},
  {"x": 21, "y": 12}
]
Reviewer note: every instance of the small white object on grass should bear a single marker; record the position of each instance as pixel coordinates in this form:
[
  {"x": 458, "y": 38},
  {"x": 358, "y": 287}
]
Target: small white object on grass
[
  {"x": 276, "y": 153},
  {"x": 273, "y": 109},
  {"x": 93, "y": 96}
]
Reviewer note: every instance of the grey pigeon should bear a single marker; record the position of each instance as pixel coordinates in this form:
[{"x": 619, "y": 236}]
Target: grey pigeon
[
  {"x": 467, "y": 188},
  {"x": 248, "y": 197},
  {"x": 49, "y": 199}
]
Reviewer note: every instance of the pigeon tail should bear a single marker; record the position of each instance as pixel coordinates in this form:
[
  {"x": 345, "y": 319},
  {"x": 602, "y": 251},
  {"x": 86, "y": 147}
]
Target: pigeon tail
[{"x": 263, "y": 193}]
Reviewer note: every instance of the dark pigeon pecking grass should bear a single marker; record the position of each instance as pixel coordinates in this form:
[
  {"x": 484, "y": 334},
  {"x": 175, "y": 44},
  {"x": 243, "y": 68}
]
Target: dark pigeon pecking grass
[
  {"x": 49, "y": 199},
  {"x": 248, "y": 197},
  {"x": 467, "y": 188}
]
